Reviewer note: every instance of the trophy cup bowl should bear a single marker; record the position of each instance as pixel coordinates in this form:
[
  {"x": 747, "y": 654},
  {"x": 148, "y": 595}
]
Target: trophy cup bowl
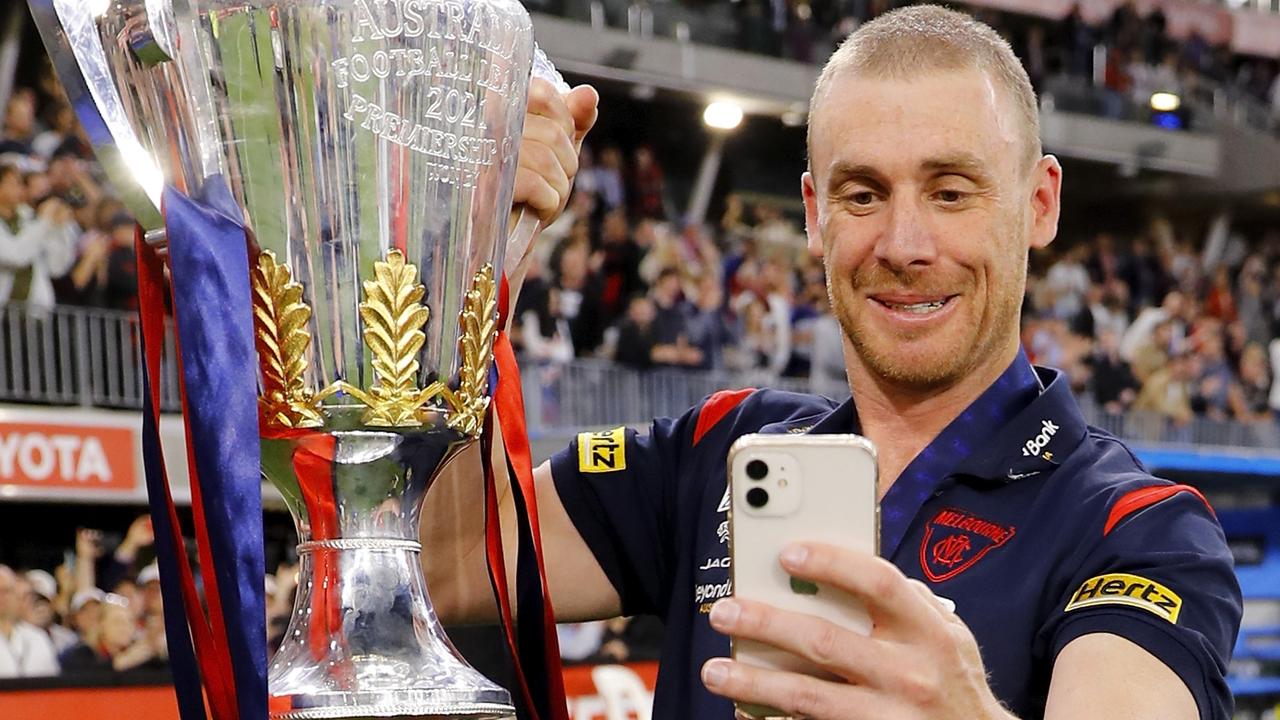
[{"x": 371, "y": 146}]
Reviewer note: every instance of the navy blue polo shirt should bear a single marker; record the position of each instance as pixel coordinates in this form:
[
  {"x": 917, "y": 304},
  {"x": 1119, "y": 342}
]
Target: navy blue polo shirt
[{"x": 1040, "y": 528}]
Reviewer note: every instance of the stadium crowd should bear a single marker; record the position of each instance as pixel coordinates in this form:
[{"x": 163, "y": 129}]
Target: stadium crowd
[
  {"x": 100, "y": 612},
  {"x": 1135, "y": 53},
  {"x": 1138, "y": 55}
]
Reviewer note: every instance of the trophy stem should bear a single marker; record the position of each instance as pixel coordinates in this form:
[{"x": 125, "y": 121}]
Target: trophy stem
[{"x": 364, "y": 640}]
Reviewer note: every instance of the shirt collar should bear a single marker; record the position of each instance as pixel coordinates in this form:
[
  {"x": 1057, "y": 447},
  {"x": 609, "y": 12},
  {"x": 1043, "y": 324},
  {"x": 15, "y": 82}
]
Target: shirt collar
[
  {"x": 1031, "y": 408},
  {"x": 1016, "y": 387},
  {"x": 1037, "y": 439}
]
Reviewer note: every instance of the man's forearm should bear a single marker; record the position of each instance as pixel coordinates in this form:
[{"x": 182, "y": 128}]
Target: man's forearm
[{"x": 454, "y": 551}]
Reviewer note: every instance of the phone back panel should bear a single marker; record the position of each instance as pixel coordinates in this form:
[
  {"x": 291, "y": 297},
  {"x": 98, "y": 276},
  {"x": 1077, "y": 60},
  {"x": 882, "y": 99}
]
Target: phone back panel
[{"x": 820, "y": 488}]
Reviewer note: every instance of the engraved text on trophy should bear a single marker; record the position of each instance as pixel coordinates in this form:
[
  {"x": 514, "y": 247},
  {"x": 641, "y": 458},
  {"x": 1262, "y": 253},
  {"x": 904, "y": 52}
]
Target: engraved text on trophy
[{"x": 463, "y": 76}]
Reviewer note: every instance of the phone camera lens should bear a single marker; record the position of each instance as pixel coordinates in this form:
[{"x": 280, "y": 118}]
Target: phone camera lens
[
  {"x": 757, "y": 497},
  {"x": 757, "y": 469}
]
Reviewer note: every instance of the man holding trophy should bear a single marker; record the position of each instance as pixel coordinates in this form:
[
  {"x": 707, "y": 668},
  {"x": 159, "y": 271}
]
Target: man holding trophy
[{"x": 331, "y": 185}]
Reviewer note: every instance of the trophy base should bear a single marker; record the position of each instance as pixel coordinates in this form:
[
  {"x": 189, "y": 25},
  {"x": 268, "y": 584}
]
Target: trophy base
[{"x": 419, "y": 705}]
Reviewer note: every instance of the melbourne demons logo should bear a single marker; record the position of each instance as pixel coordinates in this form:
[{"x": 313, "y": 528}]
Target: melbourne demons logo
[{"x": 954, "y": 540}]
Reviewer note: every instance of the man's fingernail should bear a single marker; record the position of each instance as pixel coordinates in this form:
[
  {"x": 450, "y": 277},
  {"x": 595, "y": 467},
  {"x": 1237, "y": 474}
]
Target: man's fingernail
[
  {"x": 793, "y": 555},
  {"x": 725, "y": 613},
  {"x": 715, "y": 673}
]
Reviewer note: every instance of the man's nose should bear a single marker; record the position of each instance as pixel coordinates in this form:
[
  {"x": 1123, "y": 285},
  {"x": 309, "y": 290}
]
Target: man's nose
[{"x": 907, "y": 239}]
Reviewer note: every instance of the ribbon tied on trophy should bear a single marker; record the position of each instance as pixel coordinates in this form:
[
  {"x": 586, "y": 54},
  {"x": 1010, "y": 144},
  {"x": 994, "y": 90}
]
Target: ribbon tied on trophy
[{"x": 324, "y": 193}]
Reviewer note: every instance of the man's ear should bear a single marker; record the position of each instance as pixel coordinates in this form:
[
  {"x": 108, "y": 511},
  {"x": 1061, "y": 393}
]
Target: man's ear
[
  {"x": 812, "y": 225},
  {"x": 1046, "y": 201}
]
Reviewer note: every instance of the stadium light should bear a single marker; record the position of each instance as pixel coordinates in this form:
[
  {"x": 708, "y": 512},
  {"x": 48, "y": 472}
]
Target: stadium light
[
  {"x": 1165, "y": 102},
  {"x": 722, "y": 115}
]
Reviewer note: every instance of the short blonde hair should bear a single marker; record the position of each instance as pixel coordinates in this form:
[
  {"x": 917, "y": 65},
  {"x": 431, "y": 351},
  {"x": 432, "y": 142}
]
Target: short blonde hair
[{"x": 913, "y": 41}]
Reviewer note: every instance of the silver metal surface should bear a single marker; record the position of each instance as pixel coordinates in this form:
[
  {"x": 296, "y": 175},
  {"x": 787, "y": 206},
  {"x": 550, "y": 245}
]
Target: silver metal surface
[
  {"x": 344, "y": 130},
  {"x": 351, "y": 129}
]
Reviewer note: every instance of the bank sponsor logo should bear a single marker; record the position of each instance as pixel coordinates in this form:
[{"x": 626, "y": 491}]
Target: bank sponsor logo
[
  {"x": 1131, "y": 590},
  {"x": 604, "y": 451},
  {"x": 1035, "y": 445}
]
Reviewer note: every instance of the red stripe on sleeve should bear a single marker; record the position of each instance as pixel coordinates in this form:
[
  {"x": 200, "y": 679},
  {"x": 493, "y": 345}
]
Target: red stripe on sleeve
[
  {"x": 716, "y": 407},
  {"x": 1135, "y": 500}
]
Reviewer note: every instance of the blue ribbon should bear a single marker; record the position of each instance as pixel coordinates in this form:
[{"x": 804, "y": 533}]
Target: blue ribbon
[
  {"x": 182, "y": 658},
  {"x": 209, "y": 265}
]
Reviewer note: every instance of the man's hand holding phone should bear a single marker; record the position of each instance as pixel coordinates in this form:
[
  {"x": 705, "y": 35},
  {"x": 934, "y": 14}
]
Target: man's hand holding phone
[{"x": 920, "y": 660}]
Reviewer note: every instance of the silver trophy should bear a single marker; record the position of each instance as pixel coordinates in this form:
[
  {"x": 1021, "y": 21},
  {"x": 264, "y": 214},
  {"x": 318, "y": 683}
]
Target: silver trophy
[{"x": 372, "y": 147}]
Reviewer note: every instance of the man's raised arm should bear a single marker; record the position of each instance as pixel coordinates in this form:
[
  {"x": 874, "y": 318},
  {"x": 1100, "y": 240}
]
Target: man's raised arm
[{"x": 452, "y": 527}]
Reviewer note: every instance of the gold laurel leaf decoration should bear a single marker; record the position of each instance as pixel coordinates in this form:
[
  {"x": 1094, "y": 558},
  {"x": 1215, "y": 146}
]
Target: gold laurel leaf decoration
[
  {"x": 393, "y": 320},
  {"x": 479, "y": 328},
  {"x": 280, "y": 332}
]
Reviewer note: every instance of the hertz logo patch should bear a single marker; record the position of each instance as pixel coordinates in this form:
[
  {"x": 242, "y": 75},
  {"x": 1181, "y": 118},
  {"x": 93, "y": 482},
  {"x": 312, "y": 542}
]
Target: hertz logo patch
[
  {"x": 1131, "y": 590},
  {"x": 604, "y": 451}
]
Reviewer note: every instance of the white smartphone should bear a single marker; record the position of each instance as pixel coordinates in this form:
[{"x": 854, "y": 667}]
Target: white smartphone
[{"x": 789, "y": 488}]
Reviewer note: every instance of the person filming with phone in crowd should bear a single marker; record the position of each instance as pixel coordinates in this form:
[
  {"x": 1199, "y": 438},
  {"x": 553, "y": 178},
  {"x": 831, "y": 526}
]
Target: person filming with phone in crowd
[{"x": 1082, "y": 586}]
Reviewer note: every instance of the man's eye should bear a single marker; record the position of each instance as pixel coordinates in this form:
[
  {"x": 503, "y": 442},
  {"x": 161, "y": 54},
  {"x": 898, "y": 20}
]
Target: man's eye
[
  {"x": 862, "y": 198},
  {"x": 949, "y": 196}
]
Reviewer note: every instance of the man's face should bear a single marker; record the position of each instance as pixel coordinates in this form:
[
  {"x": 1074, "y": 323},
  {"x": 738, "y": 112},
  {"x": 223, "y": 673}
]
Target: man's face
[
  {"x": 923, "y": 207},
  {"x": 11, "y": 189},
  {"x": 20, "y": 117},
  {"x": 10, "y": 603},
  {"x": 118, "y": 626}
]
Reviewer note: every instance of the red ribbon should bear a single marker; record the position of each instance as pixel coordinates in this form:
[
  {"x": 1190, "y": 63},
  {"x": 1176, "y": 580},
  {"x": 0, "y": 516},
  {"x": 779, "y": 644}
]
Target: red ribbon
[
  {"x": 508, "y": 404},
  {"x": 211, "y": 655}
]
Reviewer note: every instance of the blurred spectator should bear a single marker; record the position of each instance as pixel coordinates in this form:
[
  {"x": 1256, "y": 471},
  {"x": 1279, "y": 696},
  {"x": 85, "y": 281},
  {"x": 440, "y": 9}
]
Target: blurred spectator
[
  {"x": 709, "y": 327},
  {"x": 620, "y": 264},
  {"x": 1154, "y": 353},
  {"x": 86, "y": 611},
  {"x": 636, "y": 336},
  {"x": 1251, "y": 305},
  {"x": 647, "y": 187},
  {"x": 1249, "y": 397},
  {"x": 545, "y": 333},
  {"x": 61, "y": 122},
  {"x": 19, "y": 124},
  {"x": 579, "y": 642},
  {"x": 1221, "y": 301},
  {"x": 1068, "y": 281},
  {"x": 827, "y": 373},
  {"x": 25, "y": 650},
  {"x": 671, "y": 323},
  {"x": 106, "y": 274},
  {"x": 41, "y": 612},
  {"x": 70, "y": 180},
  {"x": 1143, "y": 327},
  {"x": 610, "y": 181},
  {"x": 580, "y": 287},
  {"x": 1215, "y": 380},
  {"x": 117, "y": 645},
  {"x": 1168, "y": 391},
  {"x": 35, "y": 246},
  {"x": 1114, "y": 386}
]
